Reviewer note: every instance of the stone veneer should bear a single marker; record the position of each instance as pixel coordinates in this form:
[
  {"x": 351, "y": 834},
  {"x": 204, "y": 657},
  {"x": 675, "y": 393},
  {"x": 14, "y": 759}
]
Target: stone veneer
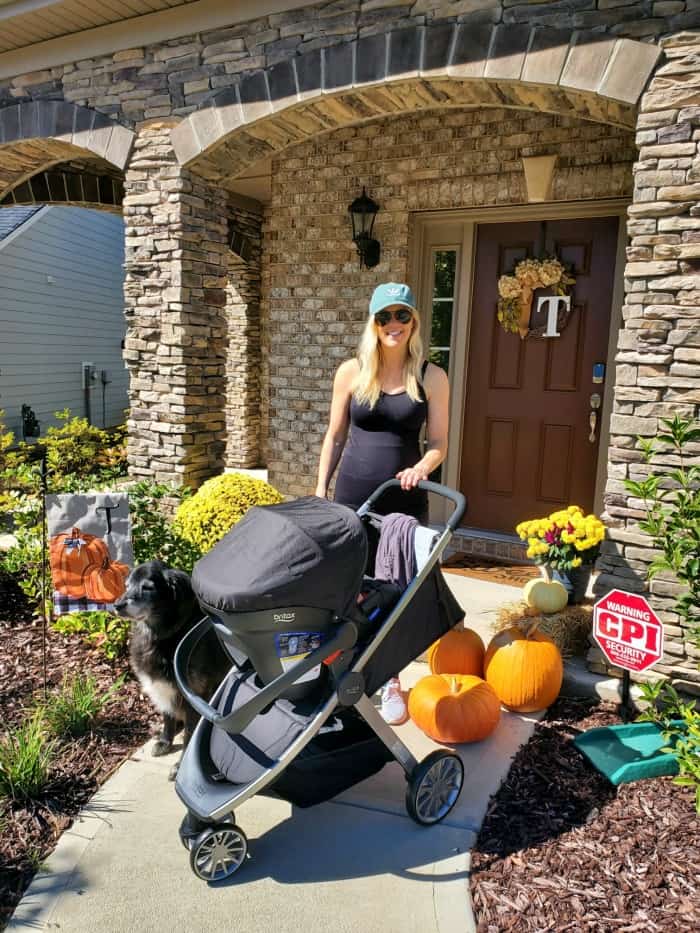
[
  {"x": 244, "y": 356},
  {"x": 176, "y": 266},
  {"x": 186, "y": 298},
  {"x": 658, "y": 374}
]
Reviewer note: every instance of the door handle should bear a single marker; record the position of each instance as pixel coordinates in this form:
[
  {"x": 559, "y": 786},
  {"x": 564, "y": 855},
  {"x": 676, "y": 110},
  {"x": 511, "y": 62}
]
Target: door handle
[
  {"x": 592, "y": 420},
  {"x": 593, "y": 417}
]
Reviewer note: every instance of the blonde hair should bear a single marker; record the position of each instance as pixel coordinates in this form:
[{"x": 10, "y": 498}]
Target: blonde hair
[{"x": 366, "y": 387}]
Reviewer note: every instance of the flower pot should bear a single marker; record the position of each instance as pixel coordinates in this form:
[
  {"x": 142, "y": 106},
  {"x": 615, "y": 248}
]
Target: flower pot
[
  {"x": 574, "y": 581},
  {"x": 579, "y": 578}
]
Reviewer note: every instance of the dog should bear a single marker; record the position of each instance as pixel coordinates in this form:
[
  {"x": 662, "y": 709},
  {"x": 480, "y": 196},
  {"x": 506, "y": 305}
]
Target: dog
[{"x": 161, "y": 604}]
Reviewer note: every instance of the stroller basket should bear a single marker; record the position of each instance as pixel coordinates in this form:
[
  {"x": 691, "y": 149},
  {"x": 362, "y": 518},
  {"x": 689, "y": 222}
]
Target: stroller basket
[{"x": 293, "y": 717}]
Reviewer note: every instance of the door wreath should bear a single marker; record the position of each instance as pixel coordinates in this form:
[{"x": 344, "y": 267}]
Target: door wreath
[{"x": 515, "y": 291}]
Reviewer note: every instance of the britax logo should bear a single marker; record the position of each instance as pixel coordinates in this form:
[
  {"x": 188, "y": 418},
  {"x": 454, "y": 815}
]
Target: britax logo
[{"x": 284, "y": 616}]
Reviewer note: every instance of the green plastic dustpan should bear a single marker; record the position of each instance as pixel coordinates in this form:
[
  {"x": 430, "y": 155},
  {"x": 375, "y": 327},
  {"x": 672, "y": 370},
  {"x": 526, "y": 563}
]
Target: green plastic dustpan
[{"x": 628, "y": 752}]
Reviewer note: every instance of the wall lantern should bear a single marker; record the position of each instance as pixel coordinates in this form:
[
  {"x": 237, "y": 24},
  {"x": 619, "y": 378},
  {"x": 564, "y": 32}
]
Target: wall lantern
[{"x": 363, "y": 210}]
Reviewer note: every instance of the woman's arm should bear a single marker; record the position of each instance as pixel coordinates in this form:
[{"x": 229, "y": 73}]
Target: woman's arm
[
  {"x": 437, "y": 390},
  {"x": 338, "y": 424}
]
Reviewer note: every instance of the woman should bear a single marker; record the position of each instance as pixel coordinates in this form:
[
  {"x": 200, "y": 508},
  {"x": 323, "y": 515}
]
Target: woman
[{"x": 383, "y": 398}]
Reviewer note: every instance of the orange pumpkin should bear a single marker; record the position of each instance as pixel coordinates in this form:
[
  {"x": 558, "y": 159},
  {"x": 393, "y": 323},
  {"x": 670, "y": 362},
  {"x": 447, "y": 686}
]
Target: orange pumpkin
[
  {"x": 105, "y": 582},
  {"x": 524, "y": 668},
  {"x": 70, "y": 555},
  {"x": 454, "y": 707},
  {"x": 460, "y": 651}
]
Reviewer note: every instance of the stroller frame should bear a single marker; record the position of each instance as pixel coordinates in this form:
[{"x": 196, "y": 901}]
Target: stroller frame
[{"x": 216, "y": 850}]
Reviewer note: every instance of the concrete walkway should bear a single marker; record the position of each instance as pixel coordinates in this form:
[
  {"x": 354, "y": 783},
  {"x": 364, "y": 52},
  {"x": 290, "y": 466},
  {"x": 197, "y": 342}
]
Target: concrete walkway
[{"x": 356, "y": 863}]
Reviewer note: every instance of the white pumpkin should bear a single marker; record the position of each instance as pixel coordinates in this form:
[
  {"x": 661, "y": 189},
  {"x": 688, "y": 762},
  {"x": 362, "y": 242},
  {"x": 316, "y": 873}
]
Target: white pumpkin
[{"x": 545, "y": 596}]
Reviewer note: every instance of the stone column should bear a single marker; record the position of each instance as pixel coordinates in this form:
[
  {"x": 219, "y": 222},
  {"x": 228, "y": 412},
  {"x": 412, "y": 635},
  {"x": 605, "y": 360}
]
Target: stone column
[
  {"x": 244, "y": 358},
  {"x": 658, "y": 354},
  {"x": 175, "y": 226}
]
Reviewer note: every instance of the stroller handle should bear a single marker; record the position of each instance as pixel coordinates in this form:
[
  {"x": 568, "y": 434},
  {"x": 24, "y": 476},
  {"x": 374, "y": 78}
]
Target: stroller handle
[
  {"x": 460, "y": 502},
  {"x": 237, "y": 721}
]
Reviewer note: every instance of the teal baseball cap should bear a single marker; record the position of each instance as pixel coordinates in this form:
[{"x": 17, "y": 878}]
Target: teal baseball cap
[{"x": 391, "y": 293}]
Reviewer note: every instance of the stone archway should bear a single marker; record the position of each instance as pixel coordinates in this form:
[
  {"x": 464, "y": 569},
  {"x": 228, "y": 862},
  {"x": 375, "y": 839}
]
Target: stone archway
[
  {"x": 39, "y": 134},
  {"x": 590, "y": 76}
]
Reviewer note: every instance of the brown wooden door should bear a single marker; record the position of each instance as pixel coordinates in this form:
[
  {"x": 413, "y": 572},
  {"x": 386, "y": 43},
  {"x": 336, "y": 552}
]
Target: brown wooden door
[{"x": 526, "y": 449}]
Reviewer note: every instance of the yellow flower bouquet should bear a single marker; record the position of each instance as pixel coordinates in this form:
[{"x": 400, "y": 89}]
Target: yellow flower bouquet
[{"x": 565, "y": 540}]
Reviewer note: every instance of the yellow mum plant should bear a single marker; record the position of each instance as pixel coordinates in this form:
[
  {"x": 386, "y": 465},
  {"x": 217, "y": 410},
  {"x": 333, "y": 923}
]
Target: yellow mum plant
[
  {"x": 564, "y": 540},
  {"x": 218, "y": 504}
]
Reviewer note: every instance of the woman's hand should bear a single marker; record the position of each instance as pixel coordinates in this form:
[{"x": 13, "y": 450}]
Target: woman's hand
[{"x": 411, "y": 476}]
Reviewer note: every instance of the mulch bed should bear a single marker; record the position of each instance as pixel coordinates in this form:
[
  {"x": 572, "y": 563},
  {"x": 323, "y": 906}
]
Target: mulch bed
[
  {"x": 29, "y": 831},
  {"x": 510, "y": 574},
  {"x": 562, "y": 849}
]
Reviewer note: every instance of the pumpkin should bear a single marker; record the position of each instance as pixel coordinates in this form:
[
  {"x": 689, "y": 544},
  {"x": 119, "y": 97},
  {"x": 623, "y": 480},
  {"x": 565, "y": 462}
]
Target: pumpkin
[
  {"x": 460, "y": 651},
  {"x": 454, "y": 707},
  {"x": 524, "y": 668},
  {"x": 70, "y": 555},
  {"x": 105, "y": 582},
  {"x": 545, "y": 595}
]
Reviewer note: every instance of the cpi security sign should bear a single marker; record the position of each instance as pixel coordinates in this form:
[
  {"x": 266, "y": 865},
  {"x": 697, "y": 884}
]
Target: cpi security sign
[{"x": 627, "y": 630}]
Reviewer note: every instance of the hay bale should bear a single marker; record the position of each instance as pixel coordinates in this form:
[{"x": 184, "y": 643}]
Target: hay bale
[{"x": 568, "y": 629}]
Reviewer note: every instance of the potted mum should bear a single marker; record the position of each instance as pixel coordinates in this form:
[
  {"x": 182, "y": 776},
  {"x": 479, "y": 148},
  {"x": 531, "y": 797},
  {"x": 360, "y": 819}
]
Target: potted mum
[{"x": 565, "y": 545}]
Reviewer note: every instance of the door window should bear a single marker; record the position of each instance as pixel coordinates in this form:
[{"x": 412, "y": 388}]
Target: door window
[{"x": 444, "y": 266}]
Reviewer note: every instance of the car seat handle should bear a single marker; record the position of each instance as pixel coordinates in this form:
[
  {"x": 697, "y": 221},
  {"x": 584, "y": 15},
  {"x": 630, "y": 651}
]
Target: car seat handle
[{"x": 236, "y": 722}]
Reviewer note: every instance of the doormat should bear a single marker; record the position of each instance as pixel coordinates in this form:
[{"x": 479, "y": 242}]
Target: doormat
[{"x": 468, "y": 565}]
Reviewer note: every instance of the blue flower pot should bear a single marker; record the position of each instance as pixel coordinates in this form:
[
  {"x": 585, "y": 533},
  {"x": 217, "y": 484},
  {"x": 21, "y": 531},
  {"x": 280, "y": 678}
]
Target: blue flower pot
[{"x": 574, "y": 581}]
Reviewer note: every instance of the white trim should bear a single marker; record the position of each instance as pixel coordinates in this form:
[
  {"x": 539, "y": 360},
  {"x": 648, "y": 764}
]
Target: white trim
[
  {"x": 137, "y": 32},
  {"x": 24, "y": 226}
]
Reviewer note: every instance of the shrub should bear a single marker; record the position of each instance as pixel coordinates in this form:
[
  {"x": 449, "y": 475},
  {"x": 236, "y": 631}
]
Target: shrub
[
  {"x": 671, "y": 498},
  {"x": 100, "y": 629},
  {"x": 74, "y": 709},
  {"x": 26, "y": 755},
  {"x": 77, "y": 449},
  {"x": 152, "y": 533},
  {"x": 80, "y": 457},
  {"x": 218, "y": 504}
]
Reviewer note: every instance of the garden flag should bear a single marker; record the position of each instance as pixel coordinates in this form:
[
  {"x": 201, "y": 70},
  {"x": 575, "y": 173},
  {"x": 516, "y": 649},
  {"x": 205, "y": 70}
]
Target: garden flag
[{"x": 90, "y": 550}]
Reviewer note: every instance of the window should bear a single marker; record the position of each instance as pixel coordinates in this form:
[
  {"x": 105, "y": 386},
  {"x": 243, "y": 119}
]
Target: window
[{"x": 444, "y": 269}]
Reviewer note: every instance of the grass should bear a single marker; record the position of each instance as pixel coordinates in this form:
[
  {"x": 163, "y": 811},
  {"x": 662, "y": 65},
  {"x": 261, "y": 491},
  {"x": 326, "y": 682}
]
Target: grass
[
  {"x": 26, "y": 755},
  {"x": 73, "y": 711}
]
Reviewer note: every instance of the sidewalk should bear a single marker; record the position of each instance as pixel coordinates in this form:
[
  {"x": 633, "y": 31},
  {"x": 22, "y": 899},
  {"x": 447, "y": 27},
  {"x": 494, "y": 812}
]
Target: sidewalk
[{"x": 355, "y": 863}]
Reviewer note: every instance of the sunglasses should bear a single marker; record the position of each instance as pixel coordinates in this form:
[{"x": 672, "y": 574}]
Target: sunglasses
[{"x": 402, "y": 315}]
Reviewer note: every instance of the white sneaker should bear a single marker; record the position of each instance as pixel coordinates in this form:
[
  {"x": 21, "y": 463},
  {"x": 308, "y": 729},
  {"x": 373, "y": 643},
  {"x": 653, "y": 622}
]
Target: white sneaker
[{"x": 393, "y": 709}]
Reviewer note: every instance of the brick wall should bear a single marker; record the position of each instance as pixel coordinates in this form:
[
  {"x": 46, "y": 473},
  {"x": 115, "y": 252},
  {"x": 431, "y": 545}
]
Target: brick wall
[{"x": 314, "y": 294}]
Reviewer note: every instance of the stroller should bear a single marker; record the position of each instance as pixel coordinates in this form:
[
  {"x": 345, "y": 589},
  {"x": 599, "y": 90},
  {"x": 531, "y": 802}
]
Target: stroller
[{"x": 311, "y": 638}]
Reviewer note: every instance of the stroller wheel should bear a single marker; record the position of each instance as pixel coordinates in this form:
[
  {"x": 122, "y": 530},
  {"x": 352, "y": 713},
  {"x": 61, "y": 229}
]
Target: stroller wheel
[
  {"x": 434, "y": 786},
  {"x": 218, "y": 852},
  {"x": 190, "y": 828}
]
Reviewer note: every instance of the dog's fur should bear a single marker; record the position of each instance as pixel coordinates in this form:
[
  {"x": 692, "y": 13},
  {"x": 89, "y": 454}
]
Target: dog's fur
[{"x": 162, "y": 606}]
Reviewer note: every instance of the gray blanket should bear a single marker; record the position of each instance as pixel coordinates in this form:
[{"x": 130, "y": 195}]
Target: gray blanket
[{"x": 396, "y": 558}]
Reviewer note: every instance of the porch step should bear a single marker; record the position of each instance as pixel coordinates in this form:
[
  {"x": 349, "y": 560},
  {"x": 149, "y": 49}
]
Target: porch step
[{"x": 488, "y": 544}]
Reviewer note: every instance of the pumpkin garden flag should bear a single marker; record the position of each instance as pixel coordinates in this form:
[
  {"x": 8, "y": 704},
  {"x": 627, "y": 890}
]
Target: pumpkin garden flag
[{"x": 89, "y": 550}]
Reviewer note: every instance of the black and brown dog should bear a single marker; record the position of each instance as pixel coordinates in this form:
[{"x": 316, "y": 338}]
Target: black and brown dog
[{"x": 163, "y": 608}]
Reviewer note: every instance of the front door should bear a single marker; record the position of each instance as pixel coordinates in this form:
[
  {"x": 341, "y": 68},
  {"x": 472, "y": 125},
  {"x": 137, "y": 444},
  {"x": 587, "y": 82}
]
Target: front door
[{"x": 528, "y": 447}]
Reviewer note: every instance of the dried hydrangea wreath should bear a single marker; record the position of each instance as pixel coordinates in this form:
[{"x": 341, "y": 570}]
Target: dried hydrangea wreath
[{"x": 515, "y": 291}]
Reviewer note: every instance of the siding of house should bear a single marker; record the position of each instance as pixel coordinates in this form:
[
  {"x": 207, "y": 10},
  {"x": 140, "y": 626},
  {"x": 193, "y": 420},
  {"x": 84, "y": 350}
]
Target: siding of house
[{"x": 48, "y": 328}]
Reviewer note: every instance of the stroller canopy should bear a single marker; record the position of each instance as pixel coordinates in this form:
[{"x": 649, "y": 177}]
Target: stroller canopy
[{"x": 309, "y": 552}]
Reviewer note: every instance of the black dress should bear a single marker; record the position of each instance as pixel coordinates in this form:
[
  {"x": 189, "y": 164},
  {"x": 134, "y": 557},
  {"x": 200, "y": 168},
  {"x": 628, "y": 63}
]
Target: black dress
[{"x": 383, "y": 440}]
